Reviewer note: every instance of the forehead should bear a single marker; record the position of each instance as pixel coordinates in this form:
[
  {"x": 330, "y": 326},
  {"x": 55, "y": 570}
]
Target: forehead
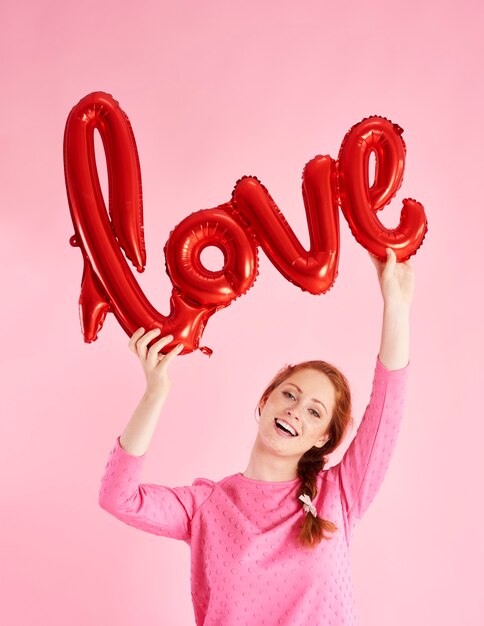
[{"x": 313, "y": 383}]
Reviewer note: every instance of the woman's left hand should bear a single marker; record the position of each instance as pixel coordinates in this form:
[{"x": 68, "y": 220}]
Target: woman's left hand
[{"x": 396, "y": 279}]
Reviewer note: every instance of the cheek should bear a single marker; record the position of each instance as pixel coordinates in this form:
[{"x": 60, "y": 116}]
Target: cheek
[
  {"x": 271, "y": 407},
  {"x": 317, "y": 430},
  {"x": 265, "y": 415}
]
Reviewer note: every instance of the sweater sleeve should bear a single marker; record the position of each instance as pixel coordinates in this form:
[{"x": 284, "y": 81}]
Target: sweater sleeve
[
  {"x": 153, "y": 508},
  {"x": 362, "y": 469}
]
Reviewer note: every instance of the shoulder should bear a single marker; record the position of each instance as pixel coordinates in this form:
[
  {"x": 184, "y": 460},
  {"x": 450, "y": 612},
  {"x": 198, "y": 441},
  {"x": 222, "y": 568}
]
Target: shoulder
[
  {"x": 202, "y": 486},
  {"x": 200, "y": 491},
  {"x": 208, "y": 483},
  {"x": 203, "y": 482}
]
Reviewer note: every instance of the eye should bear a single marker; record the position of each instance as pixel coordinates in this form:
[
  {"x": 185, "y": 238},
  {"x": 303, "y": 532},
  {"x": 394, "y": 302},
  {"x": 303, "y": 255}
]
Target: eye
[
  {"x": 314, "y": 412},
  {"x": 288, "y": 394}
]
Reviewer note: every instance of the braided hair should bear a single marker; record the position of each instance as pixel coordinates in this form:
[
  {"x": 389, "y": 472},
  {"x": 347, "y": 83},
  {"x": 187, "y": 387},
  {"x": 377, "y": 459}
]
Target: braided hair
[{"x": 315, "y": 529}]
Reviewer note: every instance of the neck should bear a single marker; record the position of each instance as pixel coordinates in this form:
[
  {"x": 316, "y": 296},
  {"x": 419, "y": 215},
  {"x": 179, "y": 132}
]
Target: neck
[{"x": 267, "y": 466}]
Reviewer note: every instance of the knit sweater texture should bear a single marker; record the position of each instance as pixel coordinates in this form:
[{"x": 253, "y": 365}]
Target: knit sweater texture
[{"x": 247, "y": 565}]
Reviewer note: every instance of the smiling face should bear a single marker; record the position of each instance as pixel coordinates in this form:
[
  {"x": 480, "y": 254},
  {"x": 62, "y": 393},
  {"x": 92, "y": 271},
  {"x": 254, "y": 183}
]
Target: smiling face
[{"x": 297, "y": 413}]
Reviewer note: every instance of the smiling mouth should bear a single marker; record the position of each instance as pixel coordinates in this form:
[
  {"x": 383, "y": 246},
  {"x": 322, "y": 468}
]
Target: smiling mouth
[{"x": 285, "y": 427}]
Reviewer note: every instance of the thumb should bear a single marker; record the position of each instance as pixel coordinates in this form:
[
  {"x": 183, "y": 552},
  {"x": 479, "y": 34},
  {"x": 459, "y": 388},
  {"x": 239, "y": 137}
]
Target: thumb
[{"x": 390, "y": 262}]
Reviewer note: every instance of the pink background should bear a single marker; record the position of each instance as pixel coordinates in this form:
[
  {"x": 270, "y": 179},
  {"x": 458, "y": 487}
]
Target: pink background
[{"x": 215, "y": 90}]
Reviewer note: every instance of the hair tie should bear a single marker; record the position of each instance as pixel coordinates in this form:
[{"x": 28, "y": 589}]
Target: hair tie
[{"x": 308, "y": 505}]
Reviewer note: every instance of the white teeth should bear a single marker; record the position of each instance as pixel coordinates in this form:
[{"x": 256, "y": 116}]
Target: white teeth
[{"x": 286, "y": 426}]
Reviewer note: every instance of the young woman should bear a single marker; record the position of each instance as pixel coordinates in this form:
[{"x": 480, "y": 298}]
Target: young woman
[{"x": 269, "y": 545}]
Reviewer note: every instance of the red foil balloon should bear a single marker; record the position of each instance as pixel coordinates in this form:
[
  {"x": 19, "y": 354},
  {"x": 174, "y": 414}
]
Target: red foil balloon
[
  {"x": 211, "y": 227},
  {"x": 250, "y": 219},
  {"x": 360, "y": 202},
  {"x": 108, "y": 283},
  {"x": 314, "y": 270}
]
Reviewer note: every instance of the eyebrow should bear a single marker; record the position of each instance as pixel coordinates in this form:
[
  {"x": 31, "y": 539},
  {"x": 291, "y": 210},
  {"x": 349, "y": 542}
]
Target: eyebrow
[{"x": 313, "y": 399}]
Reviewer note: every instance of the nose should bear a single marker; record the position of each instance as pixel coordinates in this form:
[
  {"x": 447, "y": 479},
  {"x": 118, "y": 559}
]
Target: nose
[{"x": 292, "y": 413}]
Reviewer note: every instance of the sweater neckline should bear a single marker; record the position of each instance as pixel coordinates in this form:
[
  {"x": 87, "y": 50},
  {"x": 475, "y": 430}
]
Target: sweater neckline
[{"x": 267, "y": 483}]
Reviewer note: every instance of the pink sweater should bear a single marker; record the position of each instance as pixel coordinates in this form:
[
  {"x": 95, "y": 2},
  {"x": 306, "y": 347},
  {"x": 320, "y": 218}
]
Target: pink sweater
[{"x": 247, "y": 567}]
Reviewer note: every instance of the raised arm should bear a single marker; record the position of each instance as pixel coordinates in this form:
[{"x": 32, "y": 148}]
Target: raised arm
[
  {"x": 153, "y": 508},
  {"x": 397, "y": 286},
  {"x": 364, "y": 465},
  {"x": 139, "y": 431}
]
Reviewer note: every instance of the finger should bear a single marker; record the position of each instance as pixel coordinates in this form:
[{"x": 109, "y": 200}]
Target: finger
[
  {"x": 134, "y": 338},
  {"x": 390, "y": 262},
  {"x": 167, "y": 358},
  {"x": 153, "y": 351},
  {"x": 142, "y": 343}
]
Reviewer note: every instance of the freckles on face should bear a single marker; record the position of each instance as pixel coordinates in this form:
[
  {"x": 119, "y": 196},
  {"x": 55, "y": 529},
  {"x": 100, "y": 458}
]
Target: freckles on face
[{"x": 297, "y": 413}]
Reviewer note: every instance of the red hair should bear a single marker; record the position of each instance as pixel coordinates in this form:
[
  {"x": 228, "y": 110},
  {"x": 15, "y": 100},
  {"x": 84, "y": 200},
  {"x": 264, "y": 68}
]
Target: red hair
[{"x": 312, "y": 462}]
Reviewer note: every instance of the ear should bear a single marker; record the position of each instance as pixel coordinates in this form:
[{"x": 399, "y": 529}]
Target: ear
[{"x": 320, "y": 442}]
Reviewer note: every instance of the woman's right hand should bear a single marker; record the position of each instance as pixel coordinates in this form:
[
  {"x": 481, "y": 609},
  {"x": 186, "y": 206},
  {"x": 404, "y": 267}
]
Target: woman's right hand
[{"x": 154, "y": 363}]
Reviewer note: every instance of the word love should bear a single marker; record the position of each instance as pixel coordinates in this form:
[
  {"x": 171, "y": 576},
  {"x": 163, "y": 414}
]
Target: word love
[{"x": 238, "y": 227}]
